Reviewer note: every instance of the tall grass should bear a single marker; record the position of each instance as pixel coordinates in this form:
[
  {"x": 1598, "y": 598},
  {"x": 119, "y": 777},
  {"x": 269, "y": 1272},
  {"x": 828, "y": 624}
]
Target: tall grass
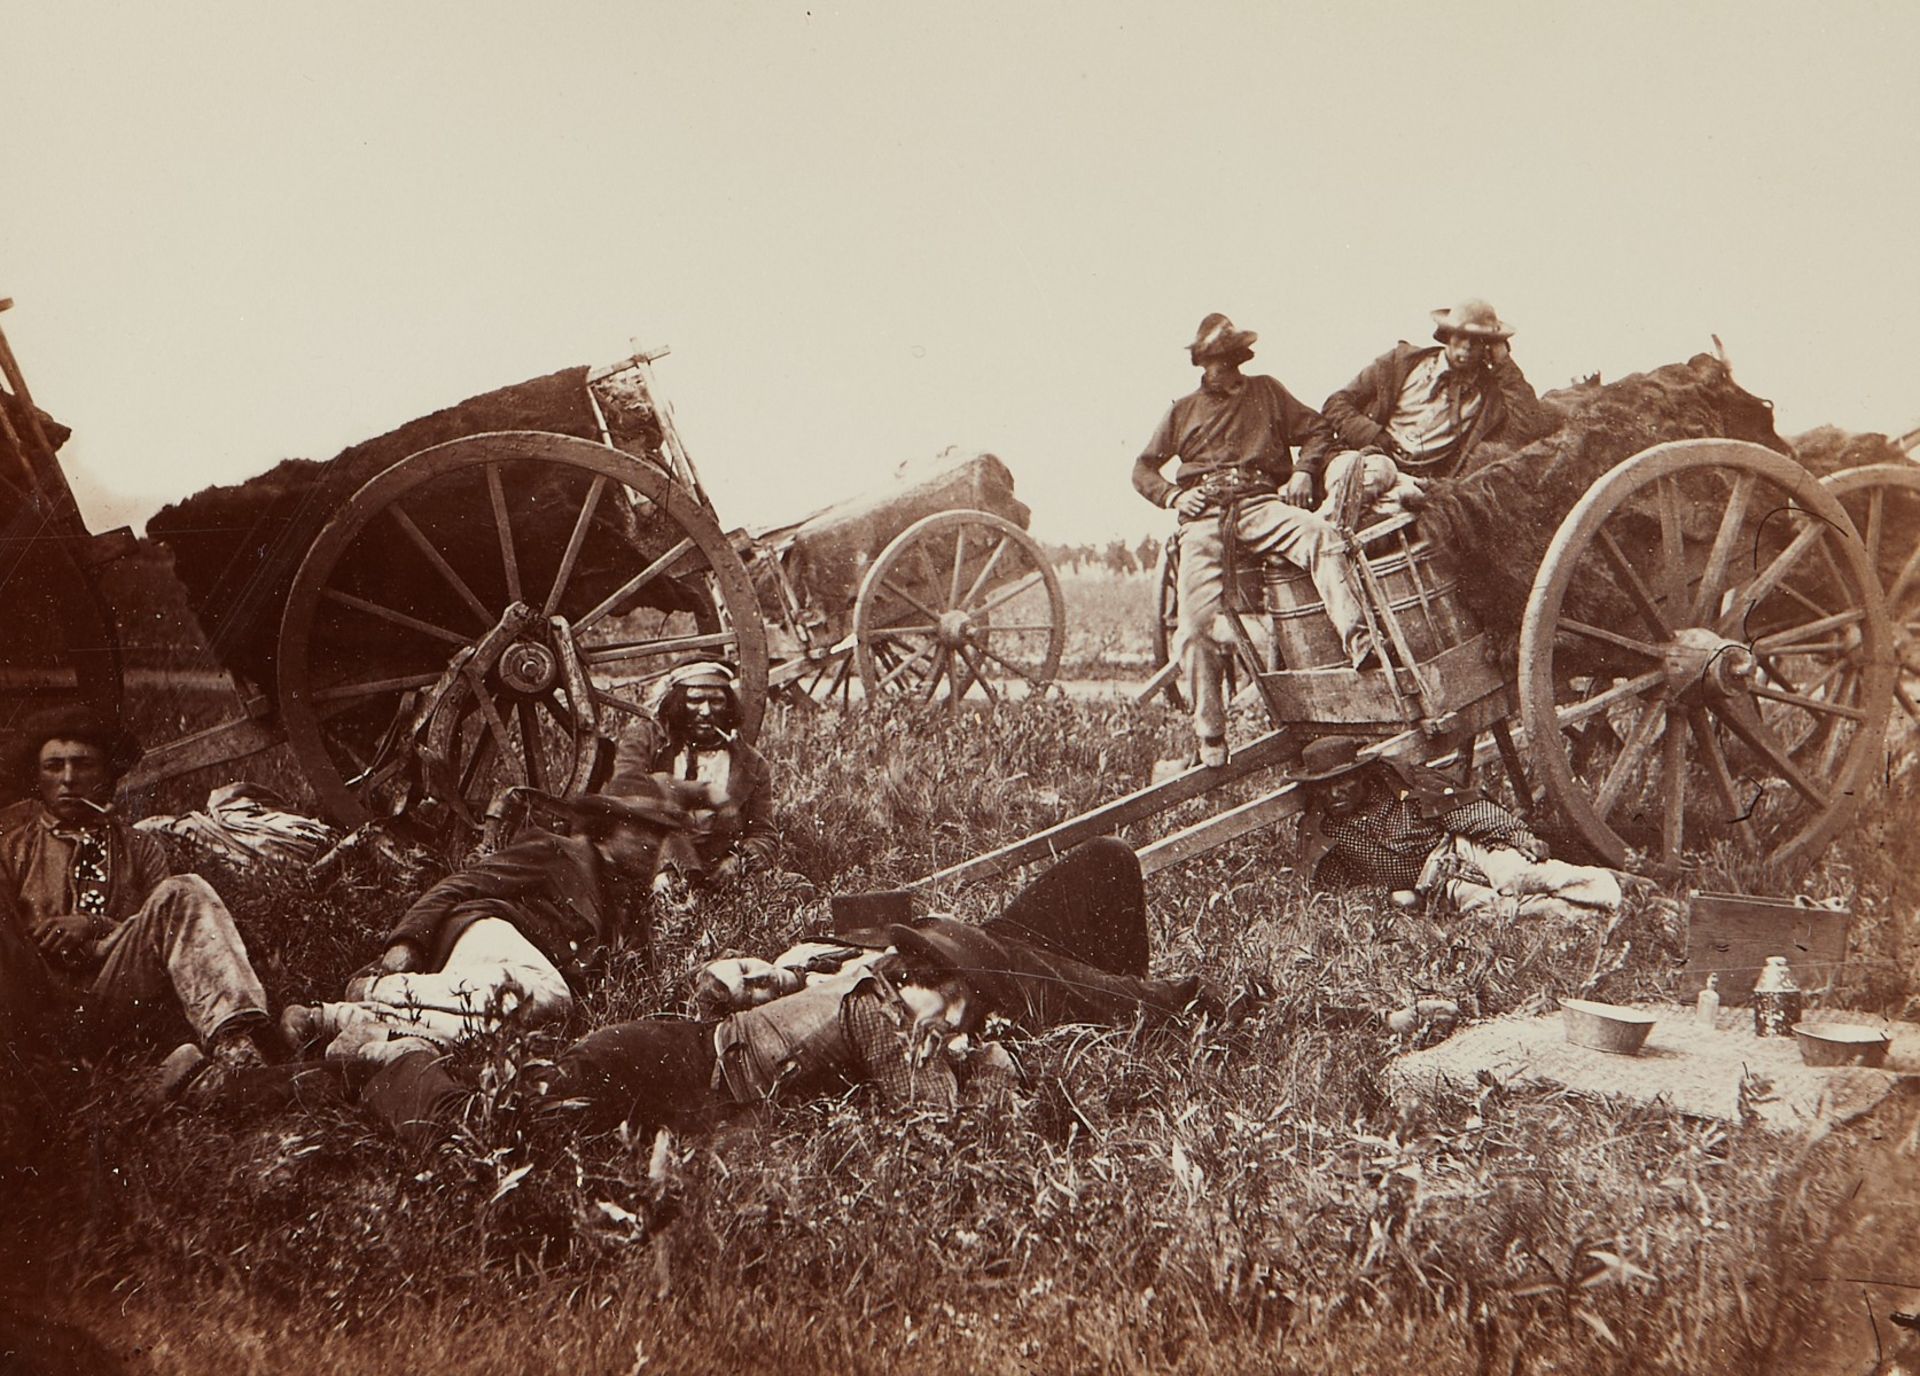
[{"x": 1206, "y": 1198}]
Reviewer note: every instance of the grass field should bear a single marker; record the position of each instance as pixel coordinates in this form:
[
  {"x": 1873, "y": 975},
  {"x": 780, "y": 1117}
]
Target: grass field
[{"x": 1205, "y": 1199}]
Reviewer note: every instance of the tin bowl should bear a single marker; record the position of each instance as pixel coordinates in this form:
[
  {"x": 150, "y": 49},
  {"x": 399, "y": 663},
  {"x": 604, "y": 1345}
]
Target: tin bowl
[
  {"x": 1606, "y": 1026},
  {"x": 1841, "y": 1043}
]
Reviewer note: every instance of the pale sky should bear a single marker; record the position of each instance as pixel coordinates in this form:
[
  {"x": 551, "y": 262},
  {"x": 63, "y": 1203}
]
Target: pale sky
[{"x": 242, "y": 232}]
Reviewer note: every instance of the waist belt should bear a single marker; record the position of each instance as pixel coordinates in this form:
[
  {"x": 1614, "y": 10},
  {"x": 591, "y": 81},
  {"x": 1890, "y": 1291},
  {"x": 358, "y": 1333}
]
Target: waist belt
[{"x": 1225, "y": 485}]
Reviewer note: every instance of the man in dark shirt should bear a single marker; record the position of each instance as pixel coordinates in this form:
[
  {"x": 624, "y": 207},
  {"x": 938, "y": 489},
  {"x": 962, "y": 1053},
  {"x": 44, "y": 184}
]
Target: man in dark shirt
[
  {"x": 1428, "y": 409},
  {"x": 1413, "y": 831},
  {"x": 1234, "y": 438}
]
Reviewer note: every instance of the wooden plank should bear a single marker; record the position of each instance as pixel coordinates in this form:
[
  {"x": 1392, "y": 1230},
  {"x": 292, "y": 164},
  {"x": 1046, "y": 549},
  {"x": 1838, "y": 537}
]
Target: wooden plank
[
  {"x": 1731, "y": 935},
  {"x": 1276, "y": 747},
  {"x": 222, "y": 744},
  {"x": 1216, "y": 831},
  {"x": 1161, "y": 678}
]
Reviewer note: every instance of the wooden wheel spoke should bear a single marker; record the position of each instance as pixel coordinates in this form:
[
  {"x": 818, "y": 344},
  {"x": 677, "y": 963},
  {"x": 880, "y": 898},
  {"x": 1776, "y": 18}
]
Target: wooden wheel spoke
[
  {"x": 1632, "y": 757},
  {"x": 887, "y": 585},
  {"x": 894, "y": 674},
  {"x": 1673, "y": 791},
  {"x": 979, "y": 673},
  {"x": 620, "y": 651},
  {"x": 632, "y": 586},
  {"x": 1600, "y": 633},
  {"x": 1744, "y": 721},
  {"x": 1006, "y": 595},
  {"x": 935, "y": 584},
  {"x": 1713, "y": 581},
  {"x": 1876, "y": 525},
  {"x": 531, "y": 746},
  {"x": 1006, "y": 664},
  {"x": 1905, "y": 581},
  {"x": 1009, "y": 628},
  {"x": 440, "y": 564},
  {"x": 1673, "y": 553},
  {"x": 896, "y": 632},
  {"x": 959, "y": 565},
  {"x": 1720, "y": 776},
  {"x": 564, "y": 574},
  {"x": 373, "y": 687},
  {"x": 396, "y": 617},
  {"x": 942, "y": 664},
  {"x": 1796, "y": 595},
  {"x": 503, "y": 524},
  {"x": 1810, "y": 704},
  {"x": 1762, "y": 587},
  {"x": 979, "y": 583},
  {"x": 1575, "y": 713},
  {"x": 1804, "y": 638},
  {"x": 1636, "y": 586}
]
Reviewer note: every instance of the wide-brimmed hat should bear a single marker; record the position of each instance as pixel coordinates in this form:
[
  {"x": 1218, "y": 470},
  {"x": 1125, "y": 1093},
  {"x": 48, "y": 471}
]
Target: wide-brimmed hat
[
  {"x": 969, "y": 953},
  {"x": 1217, "y": 336},
  {"x": 1471, "y": 317},
  {"x": 1329, "y": 756}
]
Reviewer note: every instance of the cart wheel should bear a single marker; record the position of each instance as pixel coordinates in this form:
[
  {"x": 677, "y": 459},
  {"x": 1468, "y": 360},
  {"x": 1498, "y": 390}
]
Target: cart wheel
[
  {"x": 450, "y": 621},
  {"x": 1883, "y": 501},
  {"x": 961, "y": 603},
  {"x": 1166, "y": 618},
  {"x": 58, "y": 640},
  {"x": 1676, "y": 651},
  {"x": 823, "y": 682}
]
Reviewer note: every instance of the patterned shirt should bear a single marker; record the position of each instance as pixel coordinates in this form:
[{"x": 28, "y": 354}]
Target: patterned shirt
[
  {"x": 1431, "y": 414},
  {"x": 1388, "y": 841}
]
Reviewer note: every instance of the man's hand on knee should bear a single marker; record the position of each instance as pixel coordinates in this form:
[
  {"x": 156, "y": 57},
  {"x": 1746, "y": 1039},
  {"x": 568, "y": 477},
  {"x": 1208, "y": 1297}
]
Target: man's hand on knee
[{"x": 1298, "y": 491}]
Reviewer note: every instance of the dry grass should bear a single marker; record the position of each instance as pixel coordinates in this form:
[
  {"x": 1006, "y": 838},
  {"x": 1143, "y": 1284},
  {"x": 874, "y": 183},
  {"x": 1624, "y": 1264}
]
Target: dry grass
[{"x": 1202, "y": 1200}]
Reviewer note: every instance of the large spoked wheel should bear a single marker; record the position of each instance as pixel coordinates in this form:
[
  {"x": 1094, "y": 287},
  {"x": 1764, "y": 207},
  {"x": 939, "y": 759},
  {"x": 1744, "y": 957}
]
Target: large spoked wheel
[
  {"x": 962, "y": 604},
  {"x": 482, "y": 614},
  {"x": 1677, "y": 649},
  {"x": 1883, "y": 501}
]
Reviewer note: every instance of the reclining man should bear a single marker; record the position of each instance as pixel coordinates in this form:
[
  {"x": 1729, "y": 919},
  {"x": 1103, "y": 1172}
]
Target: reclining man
[
  {"x": 895, "y": 1010},
  {"x": 693, "y": 735},
  {"x": 1414, "y": 832},
  {"x": 511, "y": 935},
  {"x": 93, "y": 922},
  {"x": 1422, "y": 412},
  {"x": 1234, "y": 438}
]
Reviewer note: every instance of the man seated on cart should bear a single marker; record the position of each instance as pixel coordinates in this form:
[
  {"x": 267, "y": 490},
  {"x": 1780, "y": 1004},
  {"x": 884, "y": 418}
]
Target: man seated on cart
[
  {"x": 1413, "y": 831},
  {"x": 692, "y": 736},
  {"x": 1418, "y": 413},
  {"x": 98, "y": 937},
  {"x": 1234, "y": 439}
]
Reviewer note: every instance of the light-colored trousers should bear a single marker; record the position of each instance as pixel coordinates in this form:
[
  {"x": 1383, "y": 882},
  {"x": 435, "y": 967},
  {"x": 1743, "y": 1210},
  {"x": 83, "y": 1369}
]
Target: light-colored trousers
[
  {"x": 1265, "y": 527},
  {"x": 180, "y": 948},
  {"x": 1526, "y": 888},
  {"x": 492, "y": 973}
]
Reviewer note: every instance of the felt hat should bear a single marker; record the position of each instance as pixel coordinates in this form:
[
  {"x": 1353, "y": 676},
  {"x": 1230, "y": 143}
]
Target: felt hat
[
  {"x": 1328, "y": 756},
  {"x": 1217, "y": 337},
  {"x": 632, "y": 795},
  {"x": 969, "y": 953},
  {"x": 1471, "y": 317}
]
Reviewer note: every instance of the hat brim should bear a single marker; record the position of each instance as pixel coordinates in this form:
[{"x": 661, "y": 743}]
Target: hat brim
[
  {"x": 1444, "y": 326},
  {"x": 651, "y": 812},
  {"x": 1227, "y": 344},
  {"x": 969, "y": 953}
]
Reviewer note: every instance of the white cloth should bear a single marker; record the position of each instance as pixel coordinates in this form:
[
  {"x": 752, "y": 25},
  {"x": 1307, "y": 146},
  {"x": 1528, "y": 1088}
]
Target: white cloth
[
  {"x": 1523, "y": 887},
  {"x": 492, "y": 973}
]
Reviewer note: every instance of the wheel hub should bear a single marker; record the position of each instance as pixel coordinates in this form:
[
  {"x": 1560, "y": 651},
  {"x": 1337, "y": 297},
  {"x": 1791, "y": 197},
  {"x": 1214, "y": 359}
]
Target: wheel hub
[
  {"x": 956, "y": 629},
  {"x": 528, "y": 667},
  {"x": 1700, "y": 661}
]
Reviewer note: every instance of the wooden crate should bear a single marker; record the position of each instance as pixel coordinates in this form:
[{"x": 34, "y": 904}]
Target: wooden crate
[{"x": 1732, "y": 935}]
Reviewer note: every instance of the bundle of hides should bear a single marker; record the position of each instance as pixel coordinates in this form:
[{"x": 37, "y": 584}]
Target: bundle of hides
[
  {"x": 1498, "y": 520},
  {"x": 247, "y": 823},
  {"x": 237, "y": 548}
]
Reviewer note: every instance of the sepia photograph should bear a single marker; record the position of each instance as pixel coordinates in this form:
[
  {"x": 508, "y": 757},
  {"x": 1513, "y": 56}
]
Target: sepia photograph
[{"x": 1087, "y": 688}]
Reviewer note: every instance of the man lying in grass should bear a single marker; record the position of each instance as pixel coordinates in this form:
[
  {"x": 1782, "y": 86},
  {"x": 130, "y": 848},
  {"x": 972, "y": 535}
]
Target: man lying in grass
[
  {"x": 100, "y": 944},
  {"x": 511, "y": 935},
  {"x": 897, "y": 1007},
  {"x": 1413, "y": 831}
]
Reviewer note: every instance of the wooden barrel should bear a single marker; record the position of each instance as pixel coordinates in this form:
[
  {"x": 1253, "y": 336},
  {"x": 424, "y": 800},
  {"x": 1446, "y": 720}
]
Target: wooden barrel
[{"x": 1421, "y": 591}]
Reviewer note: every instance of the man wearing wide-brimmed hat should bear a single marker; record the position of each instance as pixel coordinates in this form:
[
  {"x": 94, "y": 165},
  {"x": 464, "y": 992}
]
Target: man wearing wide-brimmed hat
[
  {"x": 1415, "y": 832},
  {"x": 1235, "y": 438},
  {"x": 92, "y": 920},
  {"x": 511, "y": 935},
  {"x": 1429, "y": 408}
]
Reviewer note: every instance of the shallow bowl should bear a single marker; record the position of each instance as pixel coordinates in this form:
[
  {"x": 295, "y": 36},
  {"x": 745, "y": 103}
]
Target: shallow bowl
[
  {"x": 1606, "y": 1026},
  {"x": 1841, "y": 1043}
]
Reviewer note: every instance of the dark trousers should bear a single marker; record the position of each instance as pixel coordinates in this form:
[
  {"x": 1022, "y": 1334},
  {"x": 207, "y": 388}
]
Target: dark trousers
[{"x": 1091, "y": 906}]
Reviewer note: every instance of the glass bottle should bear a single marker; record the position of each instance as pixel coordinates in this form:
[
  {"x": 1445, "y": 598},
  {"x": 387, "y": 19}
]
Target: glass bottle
[
  {"x": 1707, "y": 1007},
  {"x": 1777, "y": 1003}
]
